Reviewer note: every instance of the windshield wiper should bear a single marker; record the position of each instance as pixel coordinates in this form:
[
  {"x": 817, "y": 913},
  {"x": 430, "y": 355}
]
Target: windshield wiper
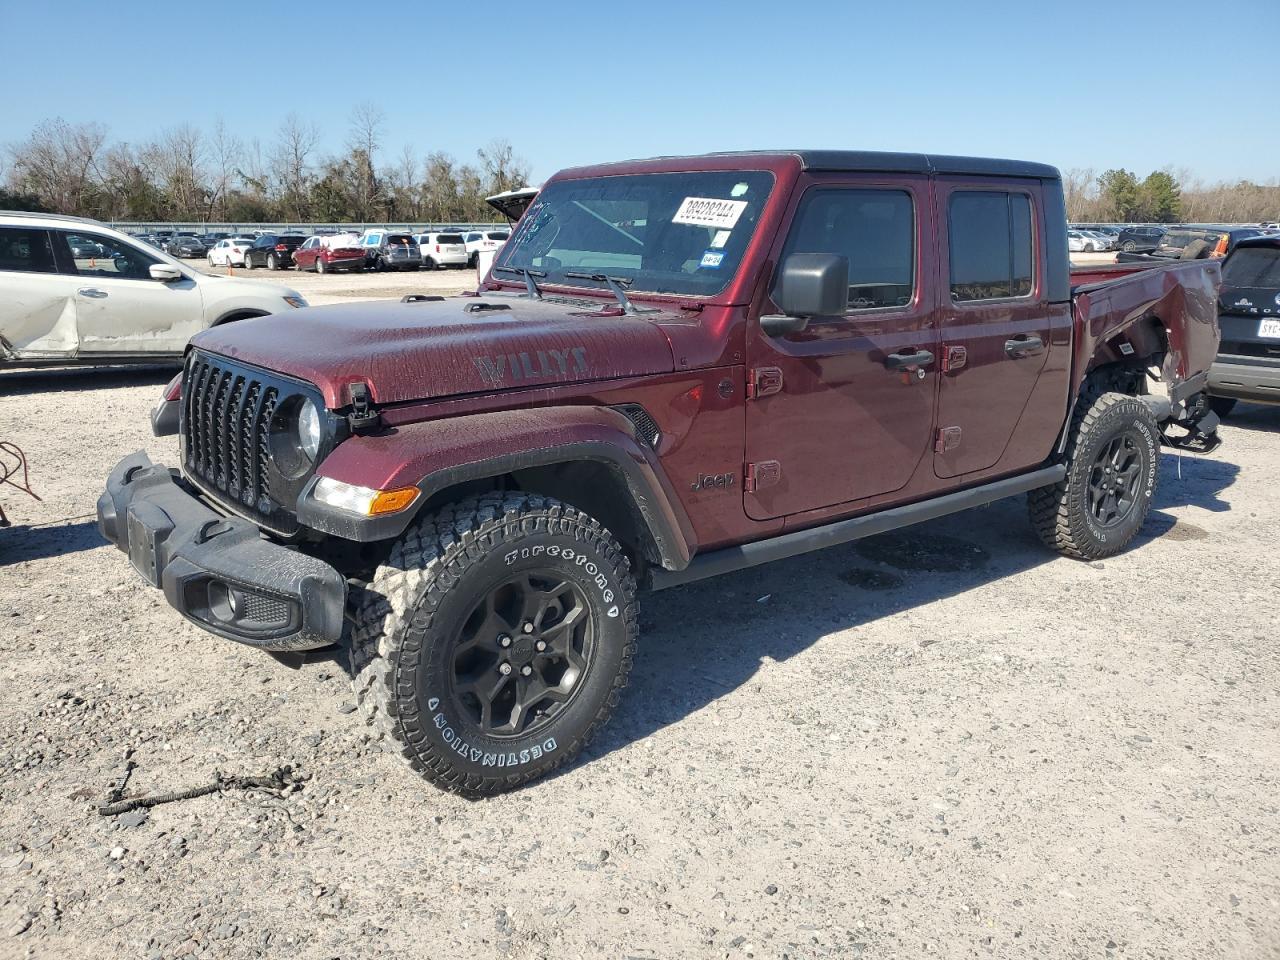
[
  {"x": 616, "y": 285},
  {"x": 534, "y": 292}
]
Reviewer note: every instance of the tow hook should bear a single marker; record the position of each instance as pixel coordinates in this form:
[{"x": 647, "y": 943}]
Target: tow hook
[{"x": 1194, "y": 418}]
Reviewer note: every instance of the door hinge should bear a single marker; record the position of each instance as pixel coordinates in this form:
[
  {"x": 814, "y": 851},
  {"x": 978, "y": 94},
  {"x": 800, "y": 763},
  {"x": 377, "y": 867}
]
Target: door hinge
[
  {"x": 760, "y": 475},
  {"x": 763, "y": 381},
  {"x": 947, "y": 440},
  {"x": 953, "y": 357}
]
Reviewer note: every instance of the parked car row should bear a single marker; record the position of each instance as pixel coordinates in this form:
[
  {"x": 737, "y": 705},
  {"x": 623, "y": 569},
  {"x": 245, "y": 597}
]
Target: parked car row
[{"x": 375, "y": 249}]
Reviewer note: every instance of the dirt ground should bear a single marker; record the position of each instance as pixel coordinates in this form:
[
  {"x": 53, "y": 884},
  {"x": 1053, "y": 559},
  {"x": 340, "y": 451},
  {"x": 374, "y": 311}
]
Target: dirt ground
[
  {"x": 344, "y": 287},
  {"x": 945, "y": 742}
]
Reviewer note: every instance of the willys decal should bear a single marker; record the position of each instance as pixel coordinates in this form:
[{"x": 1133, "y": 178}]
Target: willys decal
[{"x": 539, "y": 365}]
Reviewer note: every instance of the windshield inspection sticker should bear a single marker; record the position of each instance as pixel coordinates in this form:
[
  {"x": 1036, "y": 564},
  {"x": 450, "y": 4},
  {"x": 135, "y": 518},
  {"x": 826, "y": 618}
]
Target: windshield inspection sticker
[
  {"x": 705, "y": 212},
  {"x": 720, "y": 239},
  {"x": 712, "y": 259}
]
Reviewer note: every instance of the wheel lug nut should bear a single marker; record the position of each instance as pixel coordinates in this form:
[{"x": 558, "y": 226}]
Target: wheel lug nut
[
  {"x": 526, "y": 670},
  {"x": 540, "y": 645},
  {"x": 504, "y": 668},
  {"x": 504, "y": 640},
  {"x": 528, "y": 626}
]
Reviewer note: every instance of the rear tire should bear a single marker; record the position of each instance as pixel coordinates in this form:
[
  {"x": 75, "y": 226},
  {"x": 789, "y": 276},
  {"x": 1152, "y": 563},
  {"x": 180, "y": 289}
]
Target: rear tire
[
  {"x": 1113, "y": 462},
  {"x": 272, "y": 262},
  {"x": 429, "y": 264},
  {"x": 445, "y": 657},
  {"x": 320, "y": 265},
  {"x": 1128, "y": 246}
]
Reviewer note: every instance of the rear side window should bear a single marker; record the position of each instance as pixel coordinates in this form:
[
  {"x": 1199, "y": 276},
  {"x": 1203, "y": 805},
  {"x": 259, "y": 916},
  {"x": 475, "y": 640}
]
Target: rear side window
[
  {"x": 989, "y": 235},
  {"x": 1253, "y": 267},
  {"x": 875, "y": 229},
  {"x": 25, "y": 250}
]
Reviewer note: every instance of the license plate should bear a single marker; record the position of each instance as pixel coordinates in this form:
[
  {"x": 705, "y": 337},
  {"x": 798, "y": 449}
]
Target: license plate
[{"x": 1269, "y": 328}]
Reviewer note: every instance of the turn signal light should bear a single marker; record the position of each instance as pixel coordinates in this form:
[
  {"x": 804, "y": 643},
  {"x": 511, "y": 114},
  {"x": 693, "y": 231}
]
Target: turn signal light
[{"x": 392, "y": 501}]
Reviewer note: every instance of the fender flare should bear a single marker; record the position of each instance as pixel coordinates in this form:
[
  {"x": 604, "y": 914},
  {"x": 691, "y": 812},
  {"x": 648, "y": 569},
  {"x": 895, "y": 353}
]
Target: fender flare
[{"x": 435, "y": 455}]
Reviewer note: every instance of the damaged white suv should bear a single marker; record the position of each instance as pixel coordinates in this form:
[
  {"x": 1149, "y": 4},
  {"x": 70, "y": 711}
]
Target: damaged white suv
[{"x": 76, "y": 291}]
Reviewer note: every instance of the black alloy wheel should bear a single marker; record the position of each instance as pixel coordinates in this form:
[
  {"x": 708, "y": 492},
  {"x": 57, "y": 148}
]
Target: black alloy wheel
[
  {"x": 1115, "y": 480},
  {"x": 522, "y": 654}
]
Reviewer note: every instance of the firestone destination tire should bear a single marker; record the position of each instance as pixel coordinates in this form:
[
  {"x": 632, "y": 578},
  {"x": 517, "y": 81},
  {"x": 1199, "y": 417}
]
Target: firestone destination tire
[
  {"x": 1113, "y": 463},
  {"x": 495, "y": 641}
]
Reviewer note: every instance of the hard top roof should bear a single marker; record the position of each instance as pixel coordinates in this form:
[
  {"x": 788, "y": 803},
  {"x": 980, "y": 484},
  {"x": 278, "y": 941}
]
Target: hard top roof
[{"x": 885, "y": 162}]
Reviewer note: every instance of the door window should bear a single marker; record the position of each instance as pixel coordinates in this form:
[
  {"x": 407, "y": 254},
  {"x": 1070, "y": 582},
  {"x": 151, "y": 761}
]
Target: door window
[
  {"x": 990, "y": 245},
  {"x": 875, "y": 229},
  {"x": 96, "y": 255},
  {"x": 24, "y": 250}
]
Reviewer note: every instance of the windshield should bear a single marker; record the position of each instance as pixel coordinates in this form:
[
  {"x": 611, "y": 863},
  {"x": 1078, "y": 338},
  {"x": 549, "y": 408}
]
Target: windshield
[
  {"x": 1253, "y": 267},
  {"x": 682, "y": 233}
]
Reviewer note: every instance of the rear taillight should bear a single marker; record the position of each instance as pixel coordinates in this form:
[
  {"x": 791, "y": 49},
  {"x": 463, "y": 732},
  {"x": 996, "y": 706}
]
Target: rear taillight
[
  {"x": 437, "y": 248},
  {"x": 174, "y": 390},
  {"x": 281, "y": 246}
]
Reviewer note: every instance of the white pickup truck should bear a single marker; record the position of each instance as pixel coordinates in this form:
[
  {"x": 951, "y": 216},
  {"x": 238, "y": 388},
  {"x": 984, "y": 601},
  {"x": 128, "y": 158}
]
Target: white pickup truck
[{"x": 76, "y": 291}]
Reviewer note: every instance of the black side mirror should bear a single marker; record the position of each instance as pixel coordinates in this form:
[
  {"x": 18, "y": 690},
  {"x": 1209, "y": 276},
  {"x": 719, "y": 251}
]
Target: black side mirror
[{"x": 809, "y": 285}]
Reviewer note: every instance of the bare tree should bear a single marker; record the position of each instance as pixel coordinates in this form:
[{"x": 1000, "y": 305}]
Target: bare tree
[
  {"x": 179, "y": 158},
  {"x": 440, "y": 192},
  {"x": 225, "y": 151},
  {"x": 503, "y": 170},
  {"x": 58, "y": 163},
  {"x": 291, "y": 163},
  {"x": 364, "y": 138},
  {"x": 1079, "y": 189},
  {"x": 403, "y": 187}
]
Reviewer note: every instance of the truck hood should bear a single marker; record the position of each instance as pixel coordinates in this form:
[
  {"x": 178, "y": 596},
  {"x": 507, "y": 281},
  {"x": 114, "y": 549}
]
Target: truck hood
[{"x": 424, "y": 350}]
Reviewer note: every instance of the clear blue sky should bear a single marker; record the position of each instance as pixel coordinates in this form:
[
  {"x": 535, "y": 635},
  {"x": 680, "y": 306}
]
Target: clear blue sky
[{"x": 1081, "y": 84}]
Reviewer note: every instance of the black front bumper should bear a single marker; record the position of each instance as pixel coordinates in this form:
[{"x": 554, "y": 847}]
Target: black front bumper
[{"x": 218, "y": 571}]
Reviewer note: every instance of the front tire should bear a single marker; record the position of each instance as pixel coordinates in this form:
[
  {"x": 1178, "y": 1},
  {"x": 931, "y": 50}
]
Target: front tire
[
  {"x": 495, "y": 641},
  {"x": 1113, "y": 461}
]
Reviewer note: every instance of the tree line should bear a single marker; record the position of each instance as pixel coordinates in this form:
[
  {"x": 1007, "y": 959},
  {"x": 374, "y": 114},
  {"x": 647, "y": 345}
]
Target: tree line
[
  {"x": 1166, "y": 196},
  {"x": 187, "y": 174}
]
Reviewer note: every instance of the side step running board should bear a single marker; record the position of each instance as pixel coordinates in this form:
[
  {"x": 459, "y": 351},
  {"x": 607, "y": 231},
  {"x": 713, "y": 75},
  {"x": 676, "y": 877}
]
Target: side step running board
[{"x": 844, "y": 531}]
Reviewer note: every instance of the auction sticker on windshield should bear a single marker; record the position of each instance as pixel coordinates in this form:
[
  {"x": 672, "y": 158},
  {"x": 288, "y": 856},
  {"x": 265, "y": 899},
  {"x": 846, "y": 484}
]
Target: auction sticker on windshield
[{"x": 706, "y": 212}]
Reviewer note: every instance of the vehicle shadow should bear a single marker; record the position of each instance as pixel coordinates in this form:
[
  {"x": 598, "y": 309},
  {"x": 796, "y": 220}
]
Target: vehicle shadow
[
  {"x": 1255, "y": 416},
  {"x": 704, "y": 640},
  {"x": 23, "y": 381},
  {"x": 21, "y": 543}
]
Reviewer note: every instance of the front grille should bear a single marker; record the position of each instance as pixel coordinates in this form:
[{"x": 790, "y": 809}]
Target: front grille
[{"x": 228, "y": 414}]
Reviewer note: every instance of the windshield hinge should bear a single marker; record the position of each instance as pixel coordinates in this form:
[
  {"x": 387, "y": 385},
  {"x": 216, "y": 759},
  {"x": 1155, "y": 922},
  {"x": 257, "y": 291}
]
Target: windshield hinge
[{"x": 363, "y": 416}]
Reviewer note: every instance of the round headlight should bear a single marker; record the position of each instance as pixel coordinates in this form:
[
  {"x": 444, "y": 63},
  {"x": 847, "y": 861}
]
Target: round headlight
[{"x": 309, "y": 429}]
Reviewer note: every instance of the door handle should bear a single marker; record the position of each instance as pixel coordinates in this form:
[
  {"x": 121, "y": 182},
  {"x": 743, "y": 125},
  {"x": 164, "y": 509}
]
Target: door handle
[
  {"x": 92, "y": 293},
  {"x": 900, "y": 361},
  {"x": 1025, "y": 346}
]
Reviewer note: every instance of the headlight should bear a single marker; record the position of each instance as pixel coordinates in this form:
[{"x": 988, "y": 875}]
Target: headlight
[
  {"x": 362, "y": 501},
  {"x": 295, "y": 301},
  {"x": 309, "y": 429}
]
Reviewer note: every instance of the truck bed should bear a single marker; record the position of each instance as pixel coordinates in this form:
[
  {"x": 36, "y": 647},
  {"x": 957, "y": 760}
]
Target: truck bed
[{"x": 1124, "y": 309}]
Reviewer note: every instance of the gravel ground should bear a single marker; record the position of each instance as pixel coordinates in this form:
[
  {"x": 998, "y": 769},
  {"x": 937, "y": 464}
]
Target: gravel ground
[
  {"x": 344, "y": 287},
  {"x": 939, "y": 743}
]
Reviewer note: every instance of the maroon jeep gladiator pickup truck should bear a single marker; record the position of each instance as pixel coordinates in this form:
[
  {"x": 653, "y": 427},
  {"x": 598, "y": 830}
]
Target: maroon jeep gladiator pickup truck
[{"x": 675, "y": 368}]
